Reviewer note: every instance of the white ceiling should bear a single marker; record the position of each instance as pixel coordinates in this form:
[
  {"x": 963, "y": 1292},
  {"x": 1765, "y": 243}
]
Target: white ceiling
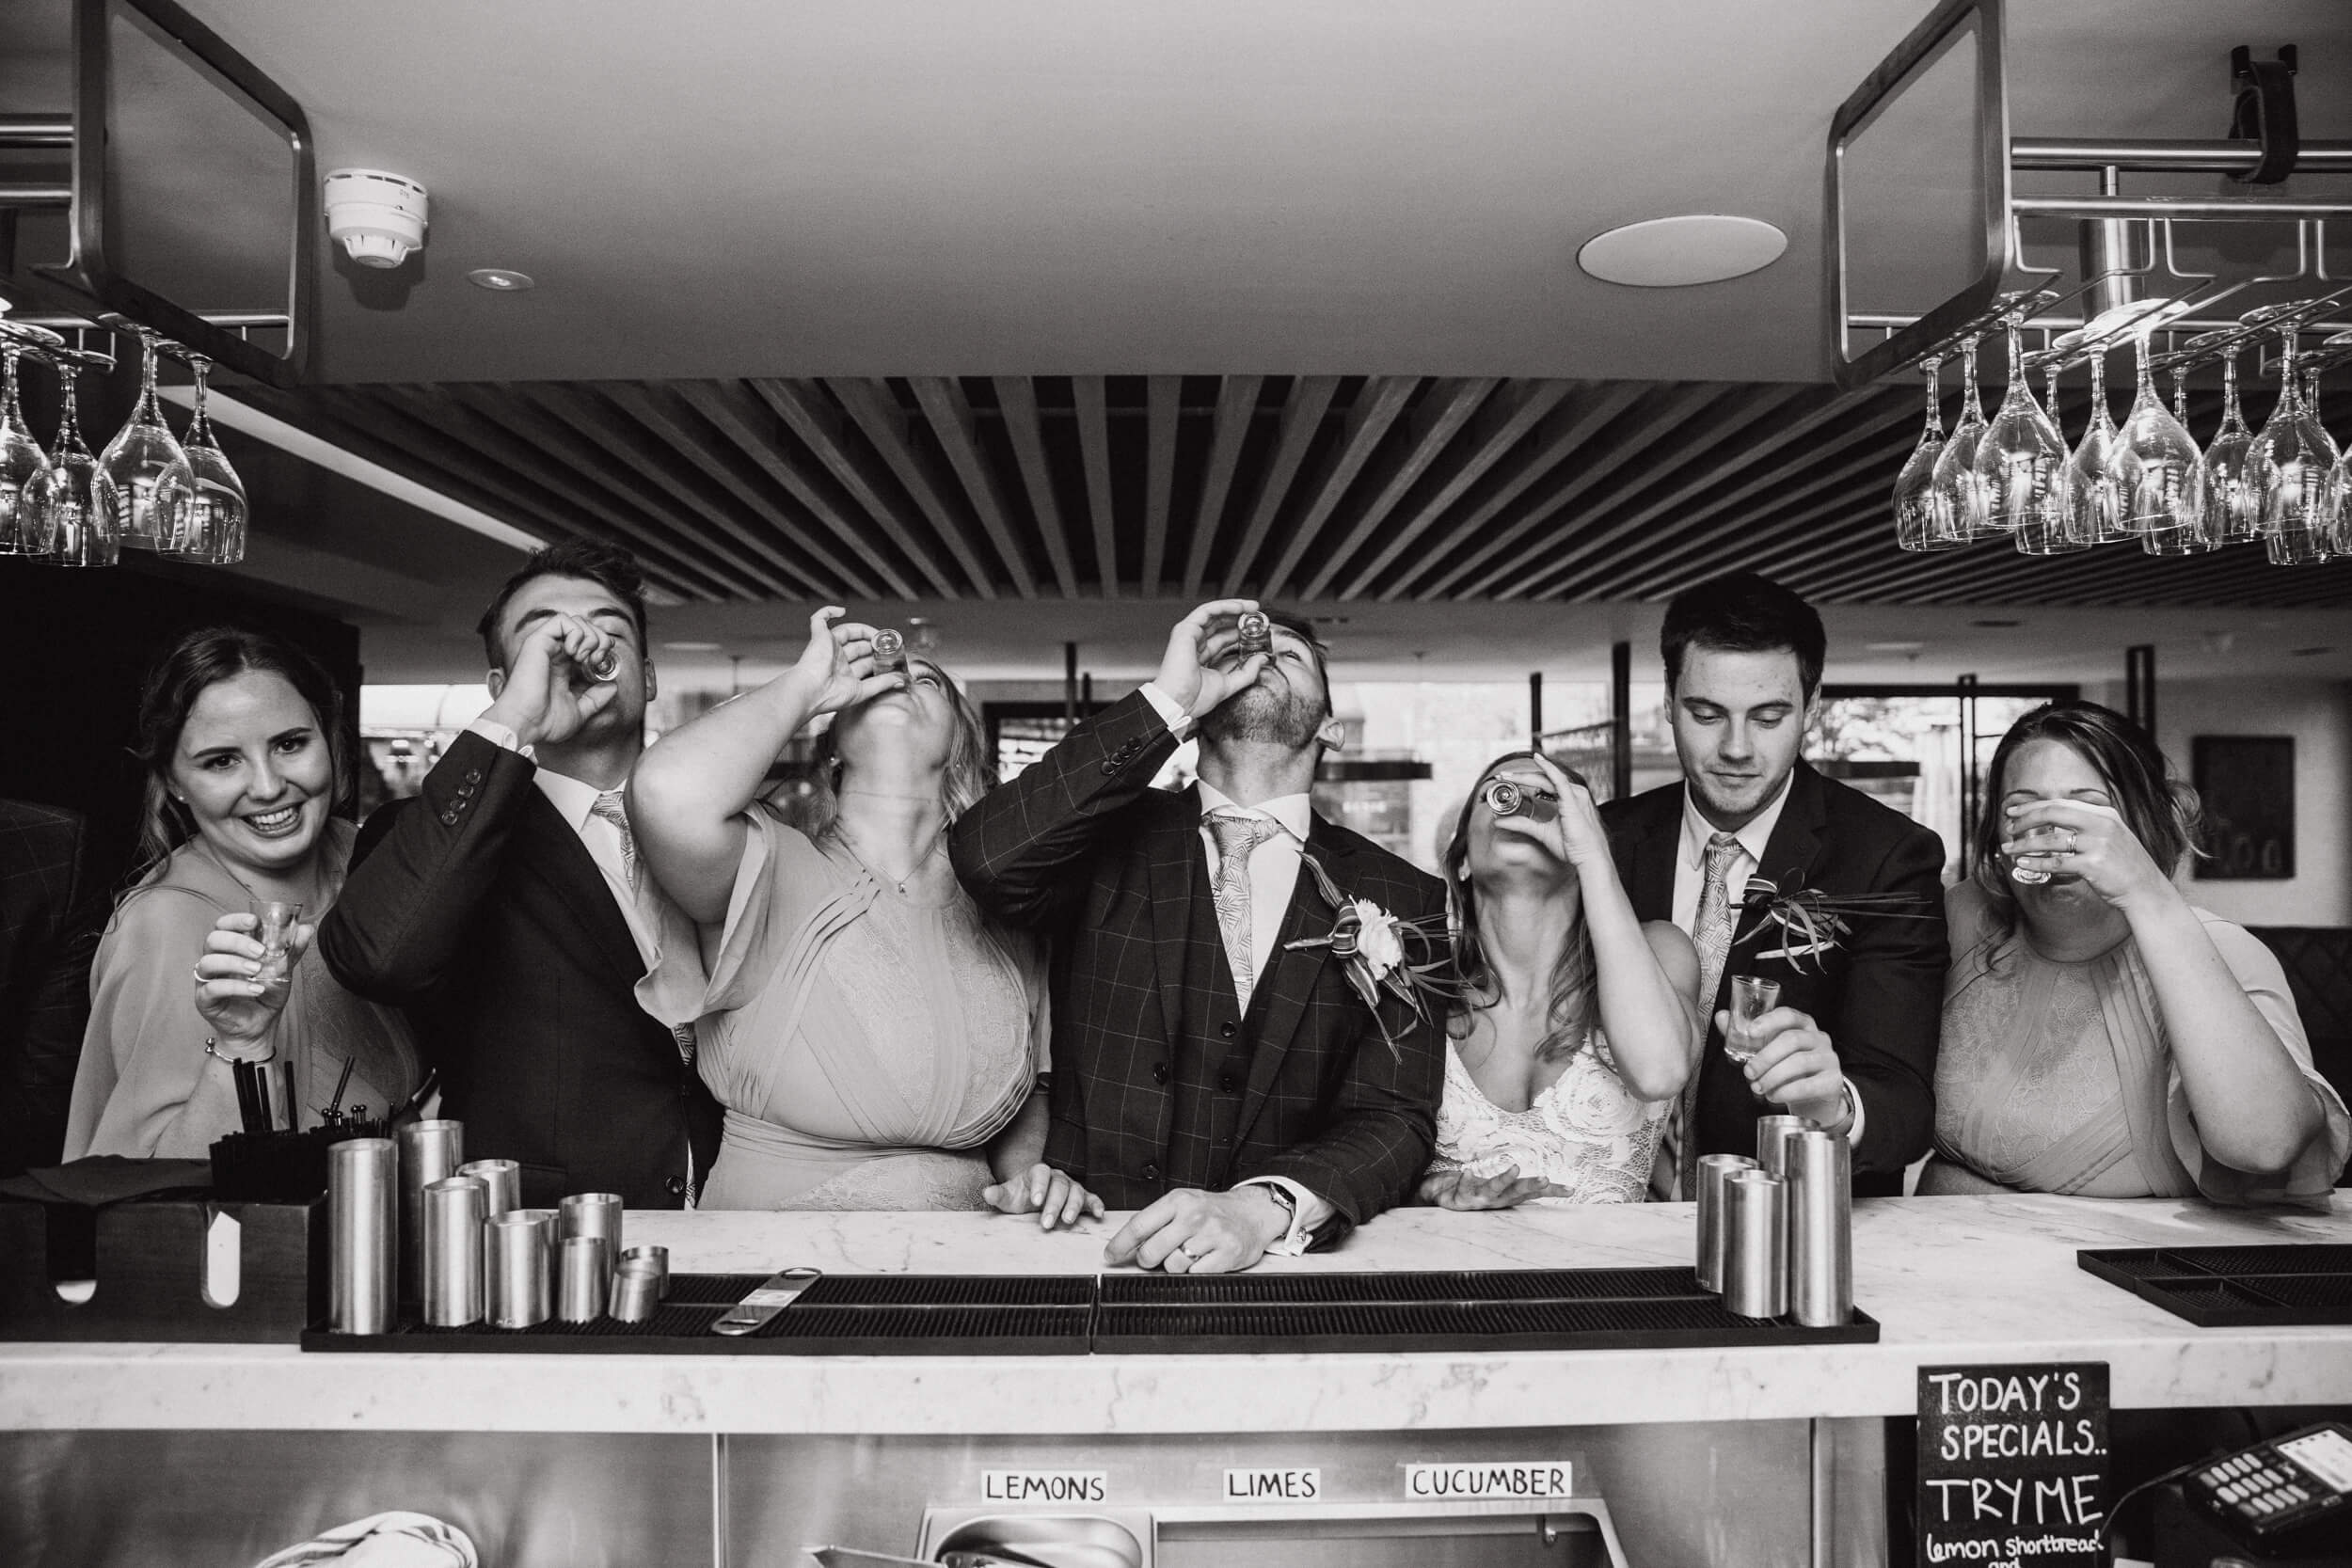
[{"x": 779, "y": 187}]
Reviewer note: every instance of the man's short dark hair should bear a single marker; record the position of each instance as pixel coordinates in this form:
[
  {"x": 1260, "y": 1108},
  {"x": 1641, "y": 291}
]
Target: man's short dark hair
[
  {"x": 1742, "y": 612},
  {"x": 1300, "y": 628},
  {"x": 608, "y": 565}
]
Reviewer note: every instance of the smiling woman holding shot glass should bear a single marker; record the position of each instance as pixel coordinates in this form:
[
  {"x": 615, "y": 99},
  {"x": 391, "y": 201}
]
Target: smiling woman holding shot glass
[
  {"x": 202, "y": 966},
  {"x": 2102, "y": 1036},
  {"x": 1577, "y": 1024}
]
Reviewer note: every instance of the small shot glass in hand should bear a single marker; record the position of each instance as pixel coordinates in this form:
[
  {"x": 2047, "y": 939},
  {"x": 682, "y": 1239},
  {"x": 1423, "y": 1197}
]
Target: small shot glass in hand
[
  {"x": 274, "y": 922},
  {"x": 1751, "y": 999},
  {"x": 890, "y": 651},
  {"x": 2034, "y": 862}
]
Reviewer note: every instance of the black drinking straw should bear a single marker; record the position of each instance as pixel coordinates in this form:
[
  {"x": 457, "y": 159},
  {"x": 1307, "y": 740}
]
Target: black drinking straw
[{"x": 251, "y": 1108}]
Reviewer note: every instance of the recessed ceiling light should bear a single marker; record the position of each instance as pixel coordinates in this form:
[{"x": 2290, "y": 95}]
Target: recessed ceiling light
[
  {"x": 693, "y": 647},
  {"x": 2307, "y": 653},
  {"x": 1673, "y": 253},
  {"x": 1996, "y": 626},
  {"x": 500, "y": 280},
  {"x": 1893, "y": 648}
]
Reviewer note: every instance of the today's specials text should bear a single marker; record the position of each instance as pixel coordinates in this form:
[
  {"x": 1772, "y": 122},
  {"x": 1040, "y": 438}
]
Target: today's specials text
[{"x": 2012, "y": 1465}]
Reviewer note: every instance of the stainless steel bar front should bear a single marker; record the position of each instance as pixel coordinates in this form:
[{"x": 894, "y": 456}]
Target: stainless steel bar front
[{"x": 2216, "y": 210}]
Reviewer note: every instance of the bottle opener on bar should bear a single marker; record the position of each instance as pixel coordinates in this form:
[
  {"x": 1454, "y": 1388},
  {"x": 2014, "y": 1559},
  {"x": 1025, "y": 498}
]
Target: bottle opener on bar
[{"x": 779, "y": 1292}]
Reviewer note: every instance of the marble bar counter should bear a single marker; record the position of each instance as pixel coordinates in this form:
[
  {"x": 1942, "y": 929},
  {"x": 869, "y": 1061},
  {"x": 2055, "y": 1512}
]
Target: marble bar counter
[{"x": 1953, "y": 1279}]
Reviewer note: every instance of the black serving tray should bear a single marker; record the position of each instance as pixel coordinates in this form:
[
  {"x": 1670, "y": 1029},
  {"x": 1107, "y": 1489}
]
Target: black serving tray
[
  {"x": 1158, "y": 1314},
  {"x": 2235, "y": 1287}
]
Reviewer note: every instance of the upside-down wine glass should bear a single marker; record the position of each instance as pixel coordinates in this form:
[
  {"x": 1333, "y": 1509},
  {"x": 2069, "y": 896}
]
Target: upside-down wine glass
[
  {"x": 23, "y": 467},
  {"x": 1915, "y": 516},
  {"x": 2021, "y": 454},
  {"x": 2292, "y": 462},
  {"x": 1959, "y": 499},
  {"x": 2340, "y": 486},
  {"x": 2236, "y": 506},
  {"x": 79, "y": 534},
  {"x": 2052, "y": 532},
  {"x": 144, "y": 484},
  {"x": 217, "y": 512},
  {"x": 2162, "y": 472},
  {"x": 2094, "y": 501}
]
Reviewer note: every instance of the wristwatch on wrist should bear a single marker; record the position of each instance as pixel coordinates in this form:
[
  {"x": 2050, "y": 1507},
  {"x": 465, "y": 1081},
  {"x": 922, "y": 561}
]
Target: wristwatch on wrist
[
  {"x": 1853, "y": 1106},
  {"x": 1285, "y": 1200}
]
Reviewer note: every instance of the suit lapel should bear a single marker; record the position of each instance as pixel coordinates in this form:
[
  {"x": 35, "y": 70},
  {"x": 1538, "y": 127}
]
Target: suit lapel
[
  {"x": 558, "y": 857},
  {"x": 1172, "y": 852},
  {"x": 1281, "y": 993}
]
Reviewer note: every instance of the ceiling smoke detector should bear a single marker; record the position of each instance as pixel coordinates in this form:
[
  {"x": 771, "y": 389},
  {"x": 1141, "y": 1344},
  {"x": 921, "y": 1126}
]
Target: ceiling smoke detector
[{"x": 377, "y": 217}]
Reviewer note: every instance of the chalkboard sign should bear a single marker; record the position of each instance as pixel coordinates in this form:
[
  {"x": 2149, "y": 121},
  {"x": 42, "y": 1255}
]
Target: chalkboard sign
[
  {"x": 2014, "y": 1465},
  {"x": 2247, "y": 785}
]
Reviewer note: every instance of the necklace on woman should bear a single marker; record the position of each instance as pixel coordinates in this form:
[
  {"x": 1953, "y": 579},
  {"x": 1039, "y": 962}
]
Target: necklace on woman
[{"x": 900, "y": 883}]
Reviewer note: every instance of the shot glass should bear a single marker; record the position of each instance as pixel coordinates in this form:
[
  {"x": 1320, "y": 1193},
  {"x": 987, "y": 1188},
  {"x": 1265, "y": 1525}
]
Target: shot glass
[
  {"x": 274, "y": 920},
  {"x": 1255, "y": 630},
  {"x": 1751, "y": 999},
  {"x": 2032, "y": 864},
  {"x": 890, "y": 651},
  {"x": 605, "y": 665}
]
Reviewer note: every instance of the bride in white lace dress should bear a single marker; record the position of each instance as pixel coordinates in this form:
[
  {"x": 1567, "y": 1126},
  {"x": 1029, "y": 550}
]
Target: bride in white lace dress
[{"x": 1577, "y": 1024}]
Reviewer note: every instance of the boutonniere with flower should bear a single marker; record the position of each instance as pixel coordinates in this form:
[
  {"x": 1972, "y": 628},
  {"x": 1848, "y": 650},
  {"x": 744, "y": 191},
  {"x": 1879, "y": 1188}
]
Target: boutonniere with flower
[
  {"x": 1811, "y": 923},
  {"x": 1381, "y": 954}
]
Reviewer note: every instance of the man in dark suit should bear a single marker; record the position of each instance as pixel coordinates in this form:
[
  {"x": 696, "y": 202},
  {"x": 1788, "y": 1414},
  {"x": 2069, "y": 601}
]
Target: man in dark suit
[
  {"x": 48, "y": 924},
  {"x": 505, "y": 909},
  {"x": 1851, "y": 1045},
  {"x": 1229, "y": 1084}
]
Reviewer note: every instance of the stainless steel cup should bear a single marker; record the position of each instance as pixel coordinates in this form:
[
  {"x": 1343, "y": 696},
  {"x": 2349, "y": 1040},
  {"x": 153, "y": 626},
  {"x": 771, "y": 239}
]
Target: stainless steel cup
[
  {"x": 583, "y": 1277},
  {"x": 1756, "y": 1262},
  {"x": 363, "y": 1232},
  {"x": 1772, "y": 1141},
  {"x": 1715, "y": 1170},
  {"x": 519, "y": 1245},
  {"x": 636, "y": 1292},
  {"x": 453, "y": 1252},
  {"x": 654, "y": 1257},
  {"x": 430, "y": 1151},
  {"x": 502, "y": 1181},
  {"x": 1820, "y": 1229},
  {"x": 596, "y": 1215}
]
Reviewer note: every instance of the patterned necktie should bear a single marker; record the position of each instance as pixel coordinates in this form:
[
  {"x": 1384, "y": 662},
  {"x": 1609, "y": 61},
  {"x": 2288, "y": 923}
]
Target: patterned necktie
[
  {"x": 1711, "y": 932},
  {"x": 1237, "y": 836},
  {"x": 609, "y": 807}
]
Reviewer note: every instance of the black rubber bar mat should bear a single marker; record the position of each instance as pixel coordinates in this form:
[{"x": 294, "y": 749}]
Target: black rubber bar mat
[
  {"x": 1157, "y": 1314},
  {"x": 1500, "y": 1311},
  {"x": 840, "y": 1315},
  {"x": 2235, "y": 1287}
]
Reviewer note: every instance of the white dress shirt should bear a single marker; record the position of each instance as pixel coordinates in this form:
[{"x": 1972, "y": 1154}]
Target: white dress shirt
[
  {"x": 1691, "y": 885},
  {"x": 1272, "y": 878}
]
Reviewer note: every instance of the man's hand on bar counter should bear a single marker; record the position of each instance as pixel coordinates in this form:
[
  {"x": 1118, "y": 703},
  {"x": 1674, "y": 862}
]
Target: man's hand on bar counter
[
  {"x": 1191, "y": 1231},
  {"x": 1048, "y": 1194}
]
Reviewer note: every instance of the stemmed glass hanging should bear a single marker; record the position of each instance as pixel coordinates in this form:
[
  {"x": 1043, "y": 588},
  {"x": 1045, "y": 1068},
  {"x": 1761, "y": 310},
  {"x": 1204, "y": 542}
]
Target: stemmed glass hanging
[
  {"x": 2021, "y": 454},
  {"x": 2158, "y": 466},
  {"x": 79, "y": 532},
  {"x": 218, "y": 510},
  {"x": 2292, "y": 462},
  {"x": 1958, "y": 497},
  {"x": 144, "y": 484},
  {"x": 23, "y": 467},
  {"x": 2235, "y": 506},
  {"x": 2094, "y": 501},
  {"x": 2340, "y": 486},
  {"x": 1915, "y": 513}
]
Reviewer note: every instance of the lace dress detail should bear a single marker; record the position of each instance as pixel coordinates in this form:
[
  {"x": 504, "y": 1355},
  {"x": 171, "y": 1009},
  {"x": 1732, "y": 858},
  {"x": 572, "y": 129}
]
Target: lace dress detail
[{"x": 1586, "y": 1131}]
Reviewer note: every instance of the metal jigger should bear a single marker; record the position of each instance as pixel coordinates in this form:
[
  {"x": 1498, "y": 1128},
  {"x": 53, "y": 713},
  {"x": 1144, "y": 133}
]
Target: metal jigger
[
  {"x": 654, "y": 1257},
  {"x": 452, "y": 1245},
  {"x": 519, "y": 1247},
  {"x": 597, "y": 1214},
  {"x": 1756, "y": 1261},
  {"x": 1820, "y": 1229},
  {"x": 363, "y": 1231},
  {"x": 584, "y": 1278},
  {"x": 636, "y": 1292},
  {"x": 1714, "y": 1171}
]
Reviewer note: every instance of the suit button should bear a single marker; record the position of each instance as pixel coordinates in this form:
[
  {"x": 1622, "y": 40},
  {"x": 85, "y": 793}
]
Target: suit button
[
  {"x": 473, "y": 775},
  {"x": 1226, "y": 1029},
  {"x": 448, "y": 817},
  {"x": 1151, "y": 1171},
  {"x": 1226, "y": 1083},
  {"x": 1159, "y": 1072},
  {"x": 677, "y": 1186}
]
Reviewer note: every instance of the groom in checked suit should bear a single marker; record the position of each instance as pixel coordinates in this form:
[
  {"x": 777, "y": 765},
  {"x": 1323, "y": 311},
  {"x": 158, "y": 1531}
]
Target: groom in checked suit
[
  {"x": 1853, "y": 1044},
  {"x": 506, "y": 911},
  {"x": 1234, "y": 1089}
]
